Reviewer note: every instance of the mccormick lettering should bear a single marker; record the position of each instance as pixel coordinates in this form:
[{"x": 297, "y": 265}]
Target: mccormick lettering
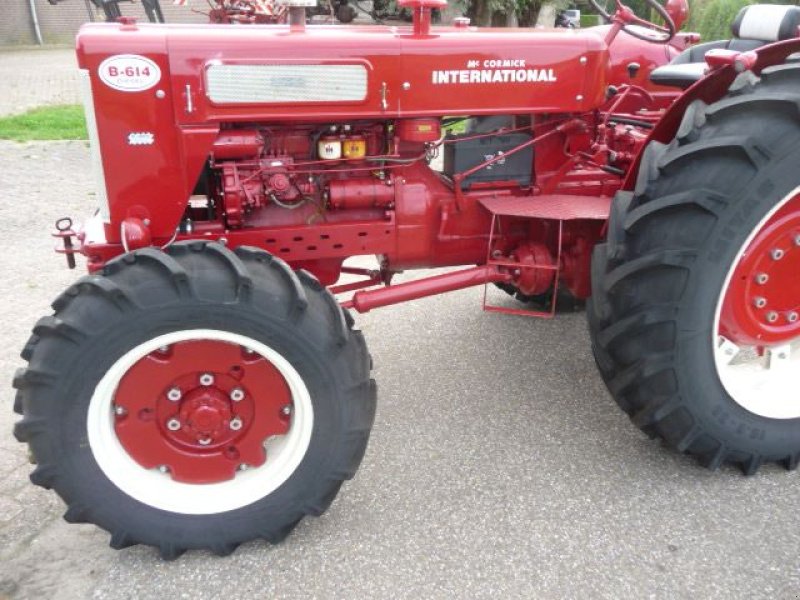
[{"x": 494, "y": 75}]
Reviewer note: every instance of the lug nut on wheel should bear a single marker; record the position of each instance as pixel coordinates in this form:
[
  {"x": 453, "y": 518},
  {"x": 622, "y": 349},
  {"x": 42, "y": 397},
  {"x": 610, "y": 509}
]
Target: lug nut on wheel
[
  {"x": 174, "y": 394},
  {"x": 204, "y": 441},
  {"x": 237, "y": 394},
  {"x": 759, "y": 302},
  {"x": 776, "y": 254},
  {"x": 236, "y": 424},
  {"x": 173, "y": 424},
  {"x": 772, "y": 316},
  {"x": 792, "y": 317},
  {"x": 762, "y": 278},
  {"x": 206, "y": 379}
]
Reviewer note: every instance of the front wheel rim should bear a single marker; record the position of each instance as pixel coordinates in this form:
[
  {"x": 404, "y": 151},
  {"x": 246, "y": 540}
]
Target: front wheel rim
[
  {"x": 156, "y": 485},
  {"x": 757, "y": 328}
]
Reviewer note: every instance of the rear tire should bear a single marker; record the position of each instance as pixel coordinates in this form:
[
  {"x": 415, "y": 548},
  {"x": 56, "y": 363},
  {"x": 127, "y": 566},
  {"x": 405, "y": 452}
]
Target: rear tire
[
  {"x": 148, "y": 302},
  {"x": 672, "y": 245}
]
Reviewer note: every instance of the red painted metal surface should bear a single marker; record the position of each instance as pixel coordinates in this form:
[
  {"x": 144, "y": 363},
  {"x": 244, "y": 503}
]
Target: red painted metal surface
[
  {"x": 568, "y": 69},
  {"x": 365, "y": 301},
  {"x": 560, "y": 207},
  {"x": 626, "y": 49},
  {"x": 200, "y": 409},
  {"x": 536, "y": 267},
  {"x": 250, "y": 173},
  {"x": 762, "y": 303}
]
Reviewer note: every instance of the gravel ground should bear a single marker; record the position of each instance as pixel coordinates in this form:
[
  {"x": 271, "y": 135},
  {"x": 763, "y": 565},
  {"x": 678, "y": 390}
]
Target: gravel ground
[{"x": 498, "y": 466}]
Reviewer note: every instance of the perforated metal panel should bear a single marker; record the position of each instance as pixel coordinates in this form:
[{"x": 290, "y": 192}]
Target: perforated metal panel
[{"x": 284, "y": 84}]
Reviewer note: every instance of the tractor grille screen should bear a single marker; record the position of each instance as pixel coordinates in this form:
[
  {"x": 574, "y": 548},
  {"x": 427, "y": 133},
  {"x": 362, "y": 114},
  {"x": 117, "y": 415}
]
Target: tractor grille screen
[{"x": 283, "y": 84}]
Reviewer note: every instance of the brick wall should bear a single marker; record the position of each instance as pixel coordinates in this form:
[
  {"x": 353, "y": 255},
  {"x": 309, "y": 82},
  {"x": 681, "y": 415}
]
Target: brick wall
[{"x": 60, "y": 23}]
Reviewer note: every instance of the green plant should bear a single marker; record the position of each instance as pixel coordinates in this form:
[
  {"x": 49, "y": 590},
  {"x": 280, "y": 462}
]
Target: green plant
[
  {"x": 590, "y": 20},
  {"x": 712, "y": 18},
  {"x": 64, "y": 122}
]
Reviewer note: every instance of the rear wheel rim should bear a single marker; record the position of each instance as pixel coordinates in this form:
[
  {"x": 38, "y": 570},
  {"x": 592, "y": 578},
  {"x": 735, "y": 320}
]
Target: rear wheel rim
[
  {"x": 757, "y": 329},
  {"x": 178, "y": 469}
]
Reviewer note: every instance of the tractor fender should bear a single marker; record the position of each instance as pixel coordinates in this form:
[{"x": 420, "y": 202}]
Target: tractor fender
[{"x": 706, "y": 91}]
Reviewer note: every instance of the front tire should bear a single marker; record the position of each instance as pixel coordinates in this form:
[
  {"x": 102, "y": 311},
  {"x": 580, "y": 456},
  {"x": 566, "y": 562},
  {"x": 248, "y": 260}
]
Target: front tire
[
  {"x": 677, "y": 287},
  {"x": 195, "y": 398}
]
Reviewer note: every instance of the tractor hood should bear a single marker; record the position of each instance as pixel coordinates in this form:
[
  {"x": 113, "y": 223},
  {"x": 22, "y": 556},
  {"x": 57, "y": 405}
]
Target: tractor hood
[{"x": 216, "y": 73}]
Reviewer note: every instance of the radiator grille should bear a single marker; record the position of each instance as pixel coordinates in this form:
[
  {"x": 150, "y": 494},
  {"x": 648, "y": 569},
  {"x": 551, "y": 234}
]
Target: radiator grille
[
  {"x": 282, "y": 84},
  {"x": 95, "y": 158}
]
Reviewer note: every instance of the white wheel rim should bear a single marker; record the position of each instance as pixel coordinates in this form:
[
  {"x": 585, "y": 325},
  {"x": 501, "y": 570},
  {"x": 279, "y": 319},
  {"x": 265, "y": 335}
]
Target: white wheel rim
[
  {"x": 159, "y": 490},
  {"x": 765, "y": 385}
]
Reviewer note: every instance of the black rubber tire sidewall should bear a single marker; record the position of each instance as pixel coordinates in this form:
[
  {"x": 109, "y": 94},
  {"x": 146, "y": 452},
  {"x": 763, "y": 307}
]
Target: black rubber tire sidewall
[
  {"x": 194, "y": 285},
  {"x": 721, "y": 415},
  {"x": 703, "y": 196},
  {"x": 85, "y": 483}
]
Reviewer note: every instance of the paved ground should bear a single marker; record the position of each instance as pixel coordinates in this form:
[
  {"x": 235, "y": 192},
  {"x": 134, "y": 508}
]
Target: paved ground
[
  {"x": 35, "y": 77},
  {"x": 498, "y": 467}
]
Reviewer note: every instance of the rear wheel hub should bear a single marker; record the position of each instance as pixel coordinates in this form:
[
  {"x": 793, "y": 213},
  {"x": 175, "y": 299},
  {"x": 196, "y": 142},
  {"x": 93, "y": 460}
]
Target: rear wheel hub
[
  {"x": 758, "y": 332},
  {"x": 762, "y": 304}
]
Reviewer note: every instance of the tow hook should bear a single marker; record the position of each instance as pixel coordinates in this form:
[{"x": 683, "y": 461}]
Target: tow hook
[{"x": 65, "y": 232}]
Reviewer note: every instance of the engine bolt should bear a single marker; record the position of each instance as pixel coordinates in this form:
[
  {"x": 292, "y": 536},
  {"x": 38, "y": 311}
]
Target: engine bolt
[
  {"x": 235, "y": 424},
  {"x": 204, "y": 441},
  {"x": 237, "y": 394},
  {"x": 762, "y": 278},
  {"x": 120, "y": 411},
  {"x": 163, "y": 469},
  {"x": 174, "y": 394},
  {"x": 772, "y": 316},
  {"x": 206, "y": 379},
  {"x": 173, "y": 425},
  {"x": 776, "y": 254},
  {"x": 792, "y": 317},
  {"x": 759, "y": 302},
  {"x": 286, "y": 410}
]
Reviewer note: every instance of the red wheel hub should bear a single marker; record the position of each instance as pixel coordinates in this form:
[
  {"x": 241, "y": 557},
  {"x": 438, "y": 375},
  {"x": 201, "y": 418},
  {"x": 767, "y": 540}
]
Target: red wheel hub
[
  {"x": 201, "y": 410},
  {"x": 762, "y": 303},
  {"x": 206, "y": 414}
]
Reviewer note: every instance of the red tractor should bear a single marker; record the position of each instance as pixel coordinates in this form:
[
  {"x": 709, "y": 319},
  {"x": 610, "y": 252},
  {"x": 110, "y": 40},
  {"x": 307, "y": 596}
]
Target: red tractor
[{"x": 203, "y": 386}]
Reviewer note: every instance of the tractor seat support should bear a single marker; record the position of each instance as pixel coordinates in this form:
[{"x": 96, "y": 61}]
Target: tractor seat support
[{"x": 755, "y": 26}]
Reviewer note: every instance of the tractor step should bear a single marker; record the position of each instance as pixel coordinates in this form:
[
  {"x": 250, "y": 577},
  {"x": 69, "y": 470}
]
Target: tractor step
[
  {"x": 557, "y": 207},
  {"x": 551, "y": 207}
]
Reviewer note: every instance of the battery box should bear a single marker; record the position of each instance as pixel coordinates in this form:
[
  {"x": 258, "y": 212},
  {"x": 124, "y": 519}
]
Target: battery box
[{"x": 461, "y": 155}]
